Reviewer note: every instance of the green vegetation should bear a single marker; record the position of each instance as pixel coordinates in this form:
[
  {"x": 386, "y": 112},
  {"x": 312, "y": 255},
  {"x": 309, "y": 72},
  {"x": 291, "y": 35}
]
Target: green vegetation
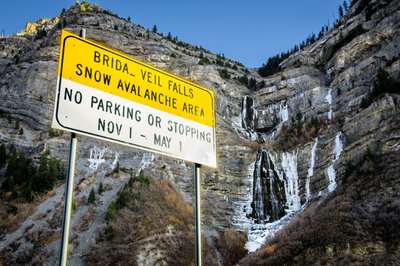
[
  {"x": 24, "y": 177},
  {"x": 92, "y": 196},
  {"x": 73, "y": 205},
  {"x": 3, "y": 155},
  {"x": 116, "y": 169},
  {"x": 111, "y": 211},
  {"x": 109, "y": 232},
  {"x": 54, "y": 133},
  {"x": 124, "y": 195},
  {"x": 100, "y": 190},
  {"x": 154, "y": 29},
  {"x": 16, "y": 124},
  {"x": 299, "y": 132},
  {"x": 224, "y": 73},
  {"x": 249, "y": 83},
  {"x": 143, "y": 179},
  {"x": 204, "y": 61}
]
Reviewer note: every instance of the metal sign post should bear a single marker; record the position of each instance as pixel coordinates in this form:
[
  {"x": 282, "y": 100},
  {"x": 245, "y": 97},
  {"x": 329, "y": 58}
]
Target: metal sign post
[
  {"x": 197, "y": 213},
  {"x": 69, "y": 189}
]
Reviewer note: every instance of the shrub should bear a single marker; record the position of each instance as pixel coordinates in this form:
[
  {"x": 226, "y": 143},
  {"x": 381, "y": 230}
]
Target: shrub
[
  {"x": 232, "y": 245},
  {"x": 100, "y": 190},
  {"x": 116, "y": 169},
  {"x": 123, "y": 197},
  {"x": 3, "y": 155},
  {"x": 54, "y": 133},
  {"x": 73, "y": 205},
  {"x": 109, "y": 232},
  {"x": 224, "y": 73},
  {"x": 111, "y": 211},
  {"x": 142, "y": 179},
  {"x": 16, "y": 126},
  {"x": 204, "y": 61},
  {"x": 92, "y": 196}
]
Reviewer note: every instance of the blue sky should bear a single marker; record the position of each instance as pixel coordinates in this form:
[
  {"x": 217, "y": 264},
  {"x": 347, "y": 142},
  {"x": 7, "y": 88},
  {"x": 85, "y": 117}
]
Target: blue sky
[{"x": 245, "y": 31}]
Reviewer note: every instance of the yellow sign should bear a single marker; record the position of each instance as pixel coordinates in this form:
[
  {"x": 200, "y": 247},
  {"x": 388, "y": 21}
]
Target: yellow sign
[
  {"x": 98, "y": 67},
  {"x": 105, "y": 94}
]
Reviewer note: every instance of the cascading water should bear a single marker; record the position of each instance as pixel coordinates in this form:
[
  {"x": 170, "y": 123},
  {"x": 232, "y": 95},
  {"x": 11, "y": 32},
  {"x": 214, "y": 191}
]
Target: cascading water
[
  {"x": 268, "y": 191},
  {"x": 258, "y": 190},
  {"x": 275, "y": 196},
  {"x": 114, "y": 163},
  {"x": 247, "y": 112},
  {"x": 328, "y": 99},
  {"x": 290, "y": 176},
  {"x": 337, "y": 150},
  {"x": 310, "y": 171}
]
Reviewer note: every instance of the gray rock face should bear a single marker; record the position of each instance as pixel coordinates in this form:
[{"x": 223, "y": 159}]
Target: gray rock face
[{"x": 308, "y": 116}]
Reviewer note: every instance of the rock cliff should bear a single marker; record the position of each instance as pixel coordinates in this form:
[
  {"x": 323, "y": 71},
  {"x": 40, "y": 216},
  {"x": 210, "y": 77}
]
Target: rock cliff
[{"x": 312, "y": 125}]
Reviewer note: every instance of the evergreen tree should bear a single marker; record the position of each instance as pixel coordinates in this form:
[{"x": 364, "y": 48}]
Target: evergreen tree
[
  {"x": 3, "y": 155},
  {"x": 92, "y": 196},
  {"x": 154, "y": 29},
  {"x": 43, "y": 180},
  {"x": 132, "y": 178},
  {"x": 100, "y": 189},
  {"x": 116, "y": 169},
  {"x": 21, "y": 131},
  {"x": 111, "y": 211},
  {"x": 341, "y": 13},
  {"x": 345, "y": 6},
  {"x": 12, "y": 161},
  {"x": 54, "y": 169},
  {"x": 252, "y": 83},
  {"x": 16, "y": 124}
]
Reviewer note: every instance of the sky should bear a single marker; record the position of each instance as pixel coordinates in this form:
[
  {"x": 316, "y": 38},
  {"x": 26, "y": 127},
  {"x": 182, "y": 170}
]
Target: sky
[{"x": 245, "y": 31}]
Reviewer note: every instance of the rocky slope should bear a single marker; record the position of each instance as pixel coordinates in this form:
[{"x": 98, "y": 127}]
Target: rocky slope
[{"x": 316, "y": 122}]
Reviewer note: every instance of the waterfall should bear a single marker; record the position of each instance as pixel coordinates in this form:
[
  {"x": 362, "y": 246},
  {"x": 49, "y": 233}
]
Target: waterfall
[
  {"x": 337, "y": 150},
  {"x": 310, "y": 170},
  {"x": 114, "y": 163},
  {"x": 289, "y": 167},
  {"x": 283, "y": 113},
  {"x": 328, "y": 99},
  {"x": 247, "y": 112},
  {"x": 275, "y": 214},
  {"x": 258, "y": 191},
  {"x": 268, "y": 190}
]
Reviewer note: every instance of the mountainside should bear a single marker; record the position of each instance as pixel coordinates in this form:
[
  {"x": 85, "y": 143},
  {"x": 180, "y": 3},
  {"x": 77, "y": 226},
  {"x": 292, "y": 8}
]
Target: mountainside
[{"x": 308, "y": 158}]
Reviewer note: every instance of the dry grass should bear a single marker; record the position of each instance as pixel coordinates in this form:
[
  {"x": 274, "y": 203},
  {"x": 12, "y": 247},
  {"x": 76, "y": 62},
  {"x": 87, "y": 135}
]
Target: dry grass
[
  {"x": 155, "y": 220},
  {"x": 231, "y": 245},
  {"x": 14, "y": 211}
]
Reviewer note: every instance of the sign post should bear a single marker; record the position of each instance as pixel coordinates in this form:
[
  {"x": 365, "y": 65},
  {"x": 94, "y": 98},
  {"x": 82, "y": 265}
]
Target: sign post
[
  {"x": 197, "y": 213},
  {"x": 108, "y": 95}
]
